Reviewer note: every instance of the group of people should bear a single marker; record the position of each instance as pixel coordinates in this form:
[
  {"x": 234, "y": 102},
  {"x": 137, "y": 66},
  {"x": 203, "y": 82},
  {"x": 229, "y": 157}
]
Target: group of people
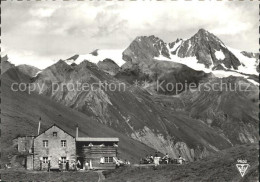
[
  {"x": 62, "y": 165},
  {"x": 166, "y": 158},
  {"x": 181, "y": 160},
  {"x": 150, "y": 159},
  {"x": 86, "y": 166},
  {"x": 119, "y": 162}
]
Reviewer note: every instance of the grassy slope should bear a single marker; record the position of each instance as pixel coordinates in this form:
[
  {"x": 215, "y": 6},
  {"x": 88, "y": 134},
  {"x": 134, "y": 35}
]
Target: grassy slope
[
  {"x": 20, "y": 114},
  {"x": 219, "y": 167},
  {"x": 8, "y": 175}
]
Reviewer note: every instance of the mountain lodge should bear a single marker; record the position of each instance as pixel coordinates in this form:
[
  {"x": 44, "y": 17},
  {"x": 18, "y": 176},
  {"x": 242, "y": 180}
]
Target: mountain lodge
[{"x": 55, "y": 149}]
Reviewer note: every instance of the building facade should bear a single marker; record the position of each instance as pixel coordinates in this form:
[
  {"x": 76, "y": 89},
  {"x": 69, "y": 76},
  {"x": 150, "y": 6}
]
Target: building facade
[
  {"x": 25, "y": 144},
  {"x": 97, "y": 153},
  {"x": 53, "y": 149}
]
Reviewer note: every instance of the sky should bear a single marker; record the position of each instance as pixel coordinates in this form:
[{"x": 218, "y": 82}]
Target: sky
[{"x": 39, "y": 33}]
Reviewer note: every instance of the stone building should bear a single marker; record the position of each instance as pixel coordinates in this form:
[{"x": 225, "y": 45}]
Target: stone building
[{"x": 56, "y": 146}]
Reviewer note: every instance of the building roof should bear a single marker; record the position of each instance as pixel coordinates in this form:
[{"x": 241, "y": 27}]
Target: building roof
[
  {"x": 57, "y": 127},
  {"x": 92, "y": 139},
  {"x": 24, "y": 136}
]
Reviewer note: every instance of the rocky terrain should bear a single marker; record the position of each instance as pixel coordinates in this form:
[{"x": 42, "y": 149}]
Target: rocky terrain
[
  {"x": 5, "y": 64},
  {"x": 31, "y": 71},
  {"x": 250, "y": 54},
  {"x": 231, "y": 108},
  {"x": 108, "y": 66}
]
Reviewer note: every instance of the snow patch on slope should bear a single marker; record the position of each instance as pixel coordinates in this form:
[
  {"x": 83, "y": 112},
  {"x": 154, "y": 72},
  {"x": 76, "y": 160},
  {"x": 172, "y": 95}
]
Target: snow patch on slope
[
  {"x": 37, "y": 73},
  {"x": 115, "y": 55},
  {"x": 192, "y": 62},
  {"x": 253, "y": 81},
  {"x": 69, "y": 61},
  {"x": 219, "y": 55},
  {"x": 248, "y": 64}
]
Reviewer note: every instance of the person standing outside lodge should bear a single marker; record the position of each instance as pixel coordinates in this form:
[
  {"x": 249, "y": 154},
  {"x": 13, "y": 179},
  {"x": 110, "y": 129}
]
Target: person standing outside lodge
[
  {"x": 67, "y": 166},
  {"x": 49, "y": 166},
  {"x": 60, "y": 166},
  {"x": 86, "y": 165},
  {"x": 151, "y": 157},
  {"x": 40, "y": 164},
  {"x": 73, "y": 166},
  {"x": 78, "y": 165},
  {"x": 166, "y": 158},
  {"x": 156, "y": 160},
  {"x": 180, "y": 160}
]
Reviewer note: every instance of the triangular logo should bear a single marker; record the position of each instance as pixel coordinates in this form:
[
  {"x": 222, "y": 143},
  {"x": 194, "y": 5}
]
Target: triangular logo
[{"x": 242, "y": 168}]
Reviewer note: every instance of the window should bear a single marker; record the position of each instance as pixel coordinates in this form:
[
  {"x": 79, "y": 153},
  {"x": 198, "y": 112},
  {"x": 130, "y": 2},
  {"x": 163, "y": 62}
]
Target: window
[
  {"x": 111, "y": 159},
  {"x": 54, "y": 134},
  {"x": 63, "y": 143},
  {"x": 63, "y": 160},
  {"x": 108, "y": 159},
  {"x": 45, "y": 160},
  {"x": 45, "y": 143}
]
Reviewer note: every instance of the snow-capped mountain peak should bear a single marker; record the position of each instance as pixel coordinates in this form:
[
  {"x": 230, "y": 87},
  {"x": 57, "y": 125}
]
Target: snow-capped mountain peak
[{"x": 203, "y": 51}]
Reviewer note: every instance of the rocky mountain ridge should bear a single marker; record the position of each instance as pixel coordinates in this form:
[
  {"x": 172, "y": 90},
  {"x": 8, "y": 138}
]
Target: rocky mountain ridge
[
  {"x": 208, "y": 50},
  {"x": 29, "y": 70},
  {"x": 5, "y": 64}
]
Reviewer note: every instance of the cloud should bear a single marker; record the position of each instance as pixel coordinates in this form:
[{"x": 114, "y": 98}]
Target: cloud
[{"x": 54, "y": 30}]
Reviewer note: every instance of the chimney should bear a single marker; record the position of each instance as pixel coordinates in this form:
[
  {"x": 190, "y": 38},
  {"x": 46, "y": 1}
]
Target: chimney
[
  {"x": 39, "y": 127},
  {"x": 77, "y": 131}
]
